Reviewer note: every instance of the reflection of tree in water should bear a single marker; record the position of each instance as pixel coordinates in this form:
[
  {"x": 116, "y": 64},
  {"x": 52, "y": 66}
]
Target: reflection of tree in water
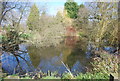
[
  {"x": 75, "y": 56},
  {"x": 34, "y": 55},
  {"x": 70, "y": 54},
  {"x": 38, "y": 53},
  {"x": 74, "y": 50}
]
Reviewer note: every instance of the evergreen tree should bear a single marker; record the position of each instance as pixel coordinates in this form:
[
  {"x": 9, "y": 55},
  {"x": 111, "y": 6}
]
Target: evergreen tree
[
  {"x": 72, "y": 9},
  {"x": 33, "y": 19}
]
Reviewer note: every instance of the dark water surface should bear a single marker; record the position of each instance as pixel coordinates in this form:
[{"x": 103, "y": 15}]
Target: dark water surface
[{"x": 48, "y": 59}]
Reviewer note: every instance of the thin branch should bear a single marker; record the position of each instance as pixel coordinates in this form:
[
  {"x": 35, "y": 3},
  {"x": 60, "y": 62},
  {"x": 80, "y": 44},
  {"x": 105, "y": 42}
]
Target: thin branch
[
  {"x": 4, "y": 13},
  {"x": 67, "y": 69},
  {"x": 24, "y": 60}
]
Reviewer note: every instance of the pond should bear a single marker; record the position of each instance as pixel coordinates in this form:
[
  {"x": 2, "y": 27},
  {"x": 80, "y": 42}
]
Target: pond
[{"x": 54, "y": 59}]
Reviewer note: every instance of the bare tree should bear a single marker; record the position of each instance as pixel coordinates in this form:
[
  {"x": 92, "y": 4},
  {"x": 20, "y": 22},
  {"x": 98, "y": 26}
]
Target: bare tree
[
  {"x": 8, "y": 12},
  {"x": 104, "y": 16},
  {"x": 12, "y": 13}
]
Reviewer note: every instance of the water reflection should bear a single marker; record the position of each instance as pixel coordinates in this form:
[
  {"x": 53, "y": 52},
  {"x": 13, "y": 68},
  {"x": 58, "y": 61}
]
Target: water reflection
[
  {"x": 9, "y": 63},
  {"x": 48, "y": 59}
]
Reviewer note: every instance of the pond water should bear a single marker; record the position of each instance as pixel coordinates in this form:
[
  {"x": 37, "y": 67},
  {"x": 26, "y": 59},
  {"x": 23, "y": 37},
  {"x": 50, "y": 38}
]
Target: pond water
[{"x": 54, "y": 59}]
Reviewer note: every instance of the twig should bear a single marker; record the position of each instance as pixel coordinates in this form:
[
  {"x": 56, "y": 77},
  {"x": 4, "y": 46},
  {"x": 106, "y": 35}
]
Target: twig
[{"x": 67, "y": 68}]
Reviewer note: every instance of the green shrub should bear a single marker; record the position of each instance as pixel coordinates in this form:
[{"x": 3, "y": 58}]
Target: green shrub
[{"x": 25, "y": 35}]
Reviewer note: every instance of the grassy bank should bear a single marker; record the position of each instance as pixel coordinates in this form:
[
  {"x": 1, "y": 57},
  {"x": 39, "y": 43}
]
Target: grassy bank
[{"x": 81, "y": 76}]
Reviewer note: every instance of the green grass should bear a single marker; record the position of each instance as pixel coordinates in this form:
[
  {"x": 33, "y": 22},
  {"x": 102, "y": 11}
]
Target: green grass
[
  {"x": 92, "y": 76},
  {"x": 51, "y": 77},
  {"x": 80, "y": 76}
]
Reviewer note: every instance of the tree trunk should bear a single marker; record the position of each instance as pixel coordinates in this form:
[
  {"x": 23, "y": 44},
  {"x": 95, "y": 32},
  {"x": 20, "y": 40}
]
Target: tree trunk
[{"x": 1, "y": 11}]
